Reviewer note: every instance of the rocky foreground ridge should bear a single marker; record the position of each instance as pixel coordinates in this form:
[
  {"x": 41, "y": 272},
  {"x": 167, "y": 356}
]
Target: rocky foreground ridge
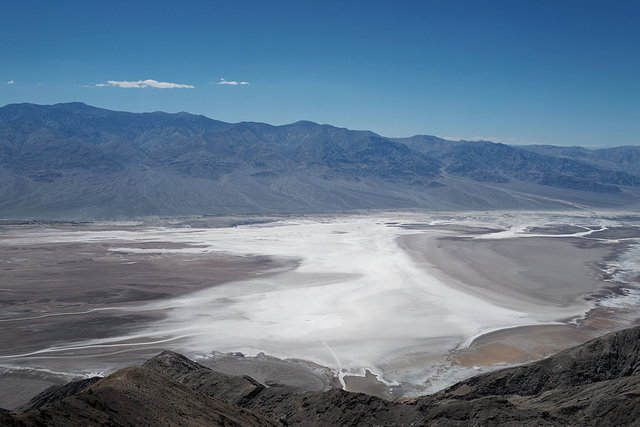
[{"x": 597, "y": 383}]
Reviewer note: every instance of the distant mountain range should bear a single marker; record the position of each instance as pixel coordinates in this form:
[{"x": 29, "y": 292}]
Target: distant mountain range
[
  {"x": 74, "y": 161},
  {"x": 595, "y": 384}
]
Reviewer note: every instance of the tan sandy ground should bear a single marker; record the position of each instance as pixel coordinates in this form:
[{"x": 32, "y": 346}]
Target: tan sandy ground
[
  {"x": 519, "y": 345},
  {"x": 529, "y": 343}
]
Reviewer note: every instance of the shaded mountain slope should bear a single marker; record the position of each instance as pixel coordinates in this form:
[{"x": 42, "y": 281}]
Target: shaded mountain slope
[
  {"x": 623, "y": 158},
  {"x": 74, "y": 161},
  {"x": 597, "y": 383},
  {"x": 566, "y": 167}
]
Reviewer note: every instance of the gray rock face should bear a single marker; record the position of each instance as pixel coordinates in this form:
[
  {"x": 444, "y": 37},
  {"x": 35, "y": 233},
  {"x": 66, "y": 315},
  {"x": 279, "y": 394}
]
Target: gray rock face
[
  {"x": 56, "y": 393},
  {"x": 73, "y": 161},
  {"x": 600, "y": 361},
  {"x": 138, "y": 396},
  {"x": 595, "y": 384}
]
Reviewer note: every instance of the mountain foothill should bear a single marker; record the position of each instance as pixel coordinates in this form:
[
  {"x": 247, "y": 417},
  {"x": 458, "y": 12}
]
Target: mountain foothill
[{"x": 74, "y": 161}]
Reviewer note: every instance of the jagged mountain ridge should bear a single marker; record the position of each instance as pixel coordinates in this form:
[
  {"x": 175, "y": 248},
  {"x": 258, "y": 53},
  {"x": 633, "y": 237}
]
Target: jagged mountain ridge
[
  {"x": 77, "y": 161},
  {"x": 496, "y": 162},
  {"x": 597, "y": 383},
  {"x": 623, "y": 158}
]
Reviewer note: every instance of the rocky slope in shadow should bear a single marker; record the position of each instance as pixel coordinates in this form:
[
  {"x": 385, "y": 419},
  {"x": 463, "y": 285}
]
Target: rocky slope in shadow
[
  {"x": 138, "y": 396},
  {"x": 597, "y": 383}
]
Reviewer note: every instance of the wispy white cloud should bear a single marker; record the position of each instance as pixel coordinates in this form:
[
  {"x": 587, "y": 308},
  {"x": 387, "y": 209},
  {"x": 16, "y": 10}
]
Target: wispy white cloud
[
  {"x": 449, "y": 138},
  {"x": 232, "y": 82},
  {"x": 145, "y": 83},
  {"x": 10, "y": 82}
]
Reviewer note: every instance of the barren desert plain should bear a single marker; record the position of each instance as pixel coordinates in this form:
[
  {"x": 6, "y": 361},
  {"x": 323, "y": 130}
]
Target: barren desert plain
[{"x": 396, "y": 304}]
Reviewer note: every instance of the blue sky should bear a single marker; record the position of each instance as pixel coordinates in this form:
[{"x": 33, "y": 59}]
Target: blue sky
[{"x": 560, "y": 72}]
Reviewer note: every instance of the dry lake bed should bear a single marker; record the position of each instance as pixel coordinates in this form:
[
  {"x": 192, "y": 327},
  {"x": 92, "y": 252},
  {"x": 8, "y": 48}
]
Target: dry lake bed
[{"x": 391, "y": 303}]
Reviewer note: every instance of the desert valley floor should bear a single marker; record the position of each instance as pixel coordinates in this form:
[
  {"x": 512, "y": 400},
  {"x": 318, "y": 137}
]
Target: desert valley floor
[{"x": 391, "y": 303}]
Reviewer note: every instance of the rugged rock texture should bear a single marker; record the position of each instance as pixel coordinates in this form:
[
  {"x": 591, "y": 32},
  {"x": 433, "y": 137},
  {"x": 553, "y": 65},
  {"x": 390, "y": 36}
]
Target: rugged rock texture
[
  {"x": 607, "y": 359},
  {"x": 73, "y": 161},
  {"x": 138, "y": 396},
  {"x": 595, "y": 384},
  {"x": 56, "y": 393},
  {"x": 488, "y": 161}
]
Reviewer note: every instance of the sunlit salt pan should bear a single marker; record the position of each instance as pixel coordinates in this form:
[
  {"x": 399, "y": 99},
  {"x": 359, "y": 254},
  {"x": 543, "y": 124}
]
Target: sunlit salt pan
[{"x": 355, "y": 300}]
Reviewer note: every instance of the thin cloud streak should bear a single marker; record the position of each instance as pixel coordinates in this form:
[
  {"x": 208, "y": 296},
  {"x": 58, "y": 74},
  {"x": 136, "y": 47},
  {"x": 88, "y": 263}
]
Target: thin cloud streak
[
  {"x": 144, "y": 83},
  {"x": 507, "y": 141},
  {"x": 232, "y": 82}
]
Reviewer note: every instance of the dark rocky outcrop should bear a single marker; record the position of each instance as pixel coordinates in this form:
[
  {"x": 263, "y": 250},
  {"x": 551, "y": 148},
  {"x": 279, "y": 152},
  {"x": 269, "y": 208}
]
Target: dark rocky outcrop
[
  {"x": 138, "y": 396},
  {"x": 595, "y": 384},
  {"x": 56, "y": 393},
  {"x": 607, "y": 359}
]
